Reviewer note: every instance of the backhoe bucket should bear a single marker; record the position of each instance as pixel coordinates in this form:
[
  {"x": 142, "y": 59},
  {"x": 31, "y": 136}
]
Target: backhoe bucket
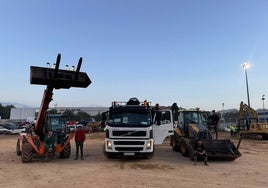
[
  {"x": 221, "y": 150},
  {"x": 58, "y": 78}
]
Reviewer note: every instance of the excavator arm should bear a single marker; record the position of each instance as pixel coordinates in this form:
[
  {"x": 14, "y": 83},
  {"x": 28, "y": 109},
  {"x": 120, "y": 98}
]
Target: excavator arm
[{"x": 246, "y": 111}]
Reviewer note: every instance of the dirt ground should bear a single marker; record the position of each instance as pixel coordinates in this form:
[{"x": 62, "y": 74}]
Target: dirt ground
[{"x": 166, "y": 169}]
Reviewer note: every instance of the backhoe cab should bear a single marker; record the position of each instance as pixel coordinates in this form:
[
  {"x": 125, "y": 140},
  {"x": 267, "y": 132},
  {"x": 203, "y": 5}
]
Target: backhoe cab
[{"x": 32, "y": 142}]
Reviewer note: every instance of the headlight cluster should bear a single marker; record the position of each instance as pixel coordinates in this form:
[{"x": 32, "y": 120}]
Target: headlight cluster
[
  {"x": 148, "y": 144},
  {"x": 109, "y": 144}
]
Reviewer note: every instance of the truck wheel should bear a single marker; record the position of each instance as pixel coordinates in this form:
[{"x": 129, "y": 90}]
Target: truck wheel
[
  {"x": 18, "y": 147},
  {"x": 110, "y": 155},
  {"x": 66, "y": 152},
  {"x": 149, "y": 155},
  {"x": 107, "y": 154},
  {"x": 183, "y": 149},
  {"x": 27, "y": 152}
]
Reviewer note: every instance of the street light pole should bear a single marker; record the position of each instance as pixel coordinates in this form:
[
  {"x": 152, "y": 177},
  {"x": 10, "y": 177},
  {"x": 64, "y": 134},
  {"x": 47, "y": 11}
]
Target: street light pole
[
  {"x": 263, "y": 98},
  {"x": 245, "y": 67}
]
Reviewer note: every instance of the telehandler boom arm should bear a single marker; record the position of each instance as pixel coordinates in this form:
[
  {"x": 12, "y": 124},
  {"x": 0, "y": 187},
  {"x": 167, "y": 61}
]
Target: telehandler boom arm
[{"x": 58, "y": 79}]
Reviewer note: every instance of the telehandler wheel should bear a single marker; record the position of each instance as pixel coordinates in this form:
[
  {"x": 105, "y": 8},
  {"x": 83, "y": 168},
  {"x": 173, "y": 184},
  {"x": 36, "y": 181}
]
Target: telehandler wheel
[
  {"x": 184, "y": 149},
  {"x": 66, "y": 152},
  {"x": 27, "y": 152},
  {"x": 18, "y": 147}
]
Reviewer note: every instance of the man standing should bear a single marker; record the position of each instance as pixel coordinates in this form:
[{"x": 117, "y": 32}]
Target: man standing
[
  {"x": 50, "y": 142},
  {"x": 80, "y": 137},
  {"x": 233, "y": 130},
  {"x": 199, "y": 151},
  {"x": 157, "y": 114},
  {"x": 214, "y": 118},
  {"x": 174, "y": 108}
]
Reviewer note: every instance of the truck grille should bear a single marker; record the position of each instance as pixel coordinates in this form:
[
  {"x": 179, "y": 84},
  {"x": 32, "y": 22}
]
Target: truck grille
[
  {"x": 129, "y": 133},
  {"x": 129, "y": 142},
  {"x": 129, "y": 149}
]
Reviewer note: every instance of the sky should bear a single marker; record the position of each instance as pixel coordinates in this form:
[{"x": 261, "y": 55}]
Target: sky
[{"x": 165, "y": 51}]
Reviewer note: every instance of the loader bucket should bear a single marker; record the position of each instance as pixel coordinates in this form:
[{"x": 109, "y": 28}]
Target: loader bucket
[
  {"x": 58, "y": 78},
  {"x": 221, "y": 150}
]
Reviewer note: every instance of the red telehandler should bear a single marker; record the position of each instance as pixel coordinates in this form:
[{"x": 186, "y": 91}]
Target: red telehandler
[{"x": 31, "y": 143}]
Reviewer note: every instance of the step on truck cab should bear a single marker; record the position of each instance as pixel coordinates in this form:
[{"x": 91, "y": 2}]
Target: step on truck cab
[{"x": 130, "y": 130}]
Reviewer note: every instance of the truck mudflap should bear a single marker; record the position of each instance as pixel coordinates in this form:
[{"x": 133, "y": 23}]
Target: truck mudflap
[{"x": 223, "y": 150}]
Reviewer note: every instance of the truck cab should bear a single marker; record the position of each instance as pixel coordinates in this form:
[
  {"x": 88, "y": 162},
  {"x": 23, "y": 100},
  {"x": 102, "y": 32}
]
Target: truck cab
[{"x": 130, "y": 130}]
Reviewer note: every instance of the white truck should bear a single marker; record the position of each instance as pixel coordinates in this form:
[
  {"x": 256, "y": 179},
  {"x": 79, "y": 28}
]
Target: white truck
[{"x": 130, "y": 130}]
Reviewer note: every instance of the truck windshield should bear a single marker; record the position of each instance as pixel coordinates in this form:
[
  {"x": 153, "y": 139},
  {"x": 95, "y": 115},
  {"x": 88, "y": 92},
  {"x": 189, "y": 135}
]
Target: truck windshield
[{"x": 134, "y": 119}]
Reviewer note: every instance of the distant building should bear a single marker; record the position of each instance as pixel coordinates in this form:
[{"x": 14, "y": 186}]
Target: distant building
[
  {"x": 263, "y": 115},
  {"x": 22, "y": 113},
  {"x": 26, "y": 113}
]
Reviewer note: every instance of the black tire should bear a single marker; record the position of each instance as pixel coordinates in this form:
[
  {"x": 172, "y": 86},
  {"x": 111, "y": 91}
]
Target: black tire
[
  {"x": 66, "y": 152},
  {"x": 107, "y": 154},
  {"x": 184, "y": 149},
  {"x": 27, "y": 152},
  {"x": 265, "y": 136},
  {"x": 18, "y": 147},
  {"x": 150, "y": 155},
  {"x": 174, "y": 144},
  {"x": 110, "y": 155},
  {"x": 191, "y": 154}
]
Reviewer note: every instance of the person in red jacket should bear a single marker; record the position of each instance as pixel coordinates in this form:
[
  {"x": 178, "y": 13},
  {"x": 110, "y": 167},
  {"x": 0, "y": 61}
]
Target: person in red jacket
[{"x": 80, "y": 137}]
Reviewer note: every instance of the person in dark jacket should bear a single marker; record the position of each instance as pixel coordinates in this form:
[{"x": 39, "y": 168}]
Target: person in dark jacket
[
  {"x": 199, "y": 151},
  {"x": 157, "y": 114},
  {"x": 80, "y": 137},
  {"x": 214, "y": 119},
  {"x": 175, "y": 111}
]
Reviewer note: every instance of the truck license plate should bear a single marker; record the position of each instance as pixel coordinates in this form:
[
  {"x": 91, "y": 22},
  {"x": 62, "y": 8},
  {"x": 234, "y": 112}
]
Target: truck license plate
[{"x": 129, "y": 154}]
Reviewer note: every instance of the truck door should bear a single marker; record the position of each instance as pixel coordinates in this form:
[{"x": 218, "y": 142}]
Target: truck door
[{"x": 163, "y": 128}]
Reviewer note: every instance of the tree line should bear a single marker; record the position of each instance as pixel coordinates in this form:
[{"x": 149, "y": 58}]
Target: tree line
[
  {"x": 5, "y": 111},
  {"x": 81, "y": 115},
  {"x": 230, "y": 117}
]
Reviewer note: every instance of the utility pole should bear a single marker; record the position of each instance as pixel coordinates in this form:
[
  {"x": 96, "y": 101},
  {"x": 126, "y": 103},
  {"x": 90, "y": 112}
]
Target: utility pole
[{"x": 263, "y": 98}]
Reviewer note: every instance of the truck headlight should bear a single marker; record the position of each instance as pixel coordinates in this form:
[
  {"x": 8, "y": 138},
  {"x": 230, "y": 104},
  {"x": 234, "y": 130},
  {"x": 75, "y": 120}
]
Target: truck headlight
[
  {"x": 148, "y": 144},
  {"x": 109, "y": 144}
]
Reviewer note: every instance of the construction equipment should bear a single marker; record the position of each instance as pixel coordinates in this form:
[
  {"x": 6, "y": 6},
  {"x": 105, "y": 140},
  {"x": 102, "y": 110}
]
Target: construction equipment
[
  {"x": 190, "y": 128},
  {"x": 249, "y": 125},
  {"x": 32, "y": 142},
  {"x": 130, "y": 130}
]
